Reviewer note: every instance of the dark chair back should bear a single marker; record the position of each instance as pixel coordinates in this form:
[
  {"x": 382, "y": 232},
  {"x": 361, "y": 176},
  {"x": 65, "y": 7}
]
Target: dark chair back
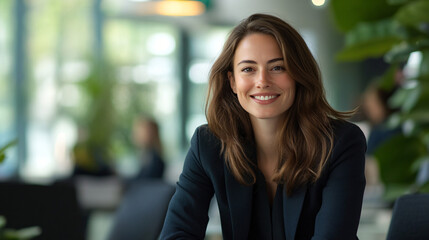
[
  {"x": 142, "y": 211},
  {"x": 410, "y": 218},
  {"x": 53, "y": 208}
]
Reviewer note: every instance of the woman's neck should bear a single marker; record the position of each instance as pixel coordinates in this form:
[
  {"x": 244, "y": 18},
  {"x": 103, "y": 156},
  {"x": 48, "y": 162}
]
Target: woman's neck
[{"x": 265, "y": 131}]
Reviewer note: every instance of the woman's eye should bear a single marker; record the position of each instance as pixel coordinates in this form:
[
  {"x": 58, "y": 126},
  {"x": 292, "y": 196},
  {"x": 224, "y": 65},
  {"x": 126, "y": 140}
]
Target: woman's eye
[
  {"x": 278, "y": 68},
  {"x": 247, "y": 69}
]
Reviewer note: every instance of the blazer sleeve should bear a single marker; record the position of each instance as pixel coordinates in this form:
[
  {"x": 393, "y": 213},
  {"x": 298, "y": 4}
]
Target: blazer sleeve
[
  {"x": 187, "y": 214},
  {"x": 338, "y": 217}
]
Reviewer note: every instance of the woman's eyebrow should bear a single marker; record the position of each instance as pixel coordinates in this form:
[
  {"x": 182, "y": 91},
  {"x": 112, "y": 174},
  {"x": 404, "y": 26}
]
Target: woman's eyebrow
[
  {"x": 253, "y": 62},
  {"x": 275, "y": 60},
  {"x": 246, "y": 61}
]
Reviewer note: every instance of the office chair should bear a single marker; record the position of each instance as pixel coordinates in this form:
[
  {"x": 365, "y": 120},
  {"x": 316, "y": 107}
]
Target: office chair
[
  {"x": 410, "y": 218},
  {"x": 53, "y": 208},
  {"x": 142, "y": 211}
]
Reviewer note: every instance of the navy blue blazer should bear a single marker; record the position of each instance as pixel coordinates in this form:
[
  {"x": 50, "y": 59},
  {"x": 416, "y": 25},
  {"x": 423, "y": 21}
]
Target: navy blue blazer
[{"x": 328, "y": 209}]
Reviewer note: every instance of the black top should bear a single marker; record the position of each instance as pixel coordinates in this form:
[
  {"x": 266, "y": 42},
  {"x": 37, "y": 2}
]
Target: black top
[{"x": 267, "y": 219}]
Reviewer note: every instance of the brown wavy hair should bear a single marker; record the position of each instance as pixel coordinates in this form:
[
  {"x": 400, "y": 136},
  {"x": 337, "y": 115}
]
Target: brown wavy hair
[{"x": 306, "y": 137}]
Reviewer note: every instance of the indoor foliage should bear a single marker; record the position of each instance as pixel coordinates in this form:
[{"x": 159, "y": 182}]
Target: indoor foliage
[{"x": 393, "y": 30}]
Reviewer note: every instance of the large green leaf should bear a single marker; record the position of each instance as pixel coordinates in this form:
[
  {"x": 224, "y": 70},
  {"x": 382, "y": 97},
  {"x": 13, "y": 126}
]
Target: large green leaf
[
  {"x": 8, "y": 145},
  {"x": 370, "y": 49},
  {"x": 395, "y": 158},
  {"x": 348, "y": 13},
  {"x": 401, "y": 51},
  {"x": 425, "y": 136},
  {"x": 418, "y": 163},
  {"x": 394, "y": 120},
  {"x": 413, "y": 124},
  {"x": 370, "y": 39},
  {"x": 412, "y": 99},
  {"x": 418, "y": 117},
  {"x": 424, "y": 65},
  {"x": 414, "y": 13},
  {"x": 3, "y": 149},
  {"x": 422, "y": 102},
  {"x": 396, "y": 2},
  {"x": 366, "y": 31}
]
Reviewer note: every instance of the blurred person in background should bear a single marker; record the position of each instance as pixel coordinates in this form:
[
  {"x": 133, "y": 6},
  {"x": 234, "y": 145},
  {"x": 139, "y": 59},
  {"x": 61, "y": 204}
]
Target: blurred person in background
[
  {"x": 376, "y": 111},
  {"x": 147, "y": 140},
  {"x": 281, "y": 161}
]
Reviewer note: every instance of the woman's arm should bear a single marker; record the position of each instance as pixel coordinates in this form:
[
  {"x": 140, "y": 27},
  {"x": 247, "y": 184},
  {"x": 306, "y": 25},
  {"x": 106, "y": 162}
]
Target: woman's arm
[
  {"x": 339, "y": 215},
  {"x": 187, "y": 214}
]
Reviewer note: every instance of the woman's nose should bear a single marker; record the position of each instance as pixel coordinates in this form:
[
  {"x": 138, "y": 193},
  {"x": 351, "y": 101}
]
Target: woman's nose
[{"x": 263, "y": 80}]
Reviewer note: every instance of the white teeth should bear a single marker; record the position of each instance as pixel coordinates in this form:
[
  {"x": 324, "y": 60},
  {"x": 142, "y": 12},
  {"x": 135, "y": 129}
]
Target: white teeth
[{"x": 265, "y": 97}]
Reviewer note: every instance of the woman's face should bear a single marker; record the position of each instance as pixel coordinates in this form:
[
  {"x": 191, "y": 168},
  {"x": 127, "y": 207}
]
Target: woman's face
[
  {"x": 263, "y": 87},
  {"x": 373, "y": 107},
  {"x": 143, "y": 133}
]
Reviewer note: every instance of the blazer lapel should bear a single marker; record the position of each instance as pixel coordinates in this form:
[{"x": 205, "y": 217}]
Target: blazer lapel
[
  {"x": 240, "y": 203},
  {"x": 292, "y": 210}
]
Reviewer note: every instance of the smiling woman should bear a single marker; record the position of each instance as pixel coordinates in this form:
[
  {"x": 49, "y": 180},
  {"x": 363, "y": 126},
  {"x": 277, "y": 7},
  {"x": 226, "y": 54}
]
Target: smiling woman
[
  {"x": 260, "y": 80},
  {"x": 281, "y": 161}
]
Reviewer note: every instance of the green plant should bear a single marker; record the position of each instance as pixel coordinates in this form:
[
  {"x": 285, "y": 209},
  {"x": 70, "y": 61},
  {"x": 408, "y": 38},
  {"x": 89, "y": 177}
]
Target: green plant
[
  {"x": 104, "y": 122},
  {"x": 4, "y": 148},
  {"x": 393, "y": 30},
  {"x": 95, "y": 118}
]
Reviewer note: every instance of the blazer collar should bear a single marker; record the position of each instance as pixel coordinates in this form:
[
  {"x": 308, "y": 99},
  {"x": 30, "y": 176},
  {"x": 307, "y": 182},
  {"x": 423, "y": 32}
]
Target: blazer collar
[
  {"x": 292, "y": 206},
  {"x": 239, "y": 198}
]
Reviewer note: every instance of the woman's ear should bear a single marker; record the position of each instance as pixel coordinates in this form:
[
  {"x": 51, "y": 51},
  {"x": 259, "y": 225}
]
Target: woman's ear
[{"x": 232, "y": 81}]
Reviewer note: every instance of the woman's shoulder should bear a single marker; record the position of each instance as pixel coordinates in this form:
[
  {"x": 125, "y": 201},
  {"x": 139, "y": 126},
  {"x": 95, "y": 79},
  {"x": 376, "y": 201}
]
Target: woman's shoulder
[
  {"x": 203, "y": 131},
  {"x": 205, "y": 138},
  {"x": 206, "y": 147},
  {"x": 343, "y": 129}
]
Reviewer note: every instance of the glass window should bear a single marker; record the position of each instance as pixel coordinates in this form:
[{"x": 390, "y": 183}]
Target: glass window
[
  {"x": 205, "y": 47},
  {"x": 59, "y": 46},
  {"x": 7, "y": 133},
  {"x": 144, "y": 55}
]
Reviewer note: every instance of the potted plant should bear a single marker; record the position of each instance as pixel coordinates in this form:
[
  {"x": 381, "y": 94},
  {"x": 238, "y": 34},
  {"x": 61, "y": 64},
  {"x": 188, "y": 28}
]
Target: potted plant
[{"x": 394, "y": 30}]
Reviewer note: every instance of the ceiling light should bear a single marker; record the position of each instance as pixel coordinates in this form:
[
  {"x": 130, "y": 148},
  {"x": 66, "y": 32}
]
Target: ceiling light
[
  {"x": 318, "y": 3},
  {"x": 168, "y": 7},
  {"x": 180, "y": 8}
]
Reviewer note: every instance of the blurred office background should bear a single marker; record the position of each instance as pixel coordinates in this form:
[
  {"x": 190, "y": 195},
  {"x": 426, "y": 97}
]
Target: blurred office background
[{"x": 75, "y": 74}]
